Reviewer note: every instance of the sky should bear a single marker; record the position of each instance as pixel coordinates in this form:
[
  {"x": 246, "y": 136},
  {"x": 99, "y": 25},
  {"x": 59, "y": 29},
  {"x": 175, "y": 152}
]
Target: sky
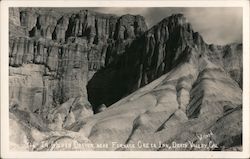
[{"x": 217, "y": 25}]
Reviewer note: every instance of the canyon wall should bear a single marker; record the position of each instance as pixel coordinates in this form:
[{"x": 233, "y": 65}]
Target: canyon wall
[
  {"x": 52, "y": 57},
  {"x": 155, "y": 53},
  {"x": 86, "y": 77}
]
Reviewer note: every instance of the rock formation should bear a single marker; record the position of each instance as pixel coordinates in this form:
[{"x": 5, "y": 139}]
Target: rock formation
[
  {"x": 153, "y": 54},
  {"x": 53, "y": 58},
  {"x": 158, "y": 85}
]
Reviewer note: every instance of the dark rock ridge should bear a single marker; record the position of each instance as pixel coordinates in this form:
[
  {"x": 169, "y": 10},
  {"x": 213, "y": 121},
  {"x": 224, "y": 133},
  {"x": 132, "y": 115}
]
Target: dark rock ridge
[
  {"x": 53, "y": 56},
  {"x": 155, "y": 53}
]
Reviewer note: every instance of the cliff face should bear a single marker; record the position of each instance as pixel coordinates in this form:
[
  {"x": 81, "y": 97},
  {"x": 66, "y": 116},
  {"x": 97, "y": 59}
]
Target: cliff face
[
  {"x": 155, "y": 53},
  {"x": 164, "y": 84},
  {"x": 52, "y": 57}
]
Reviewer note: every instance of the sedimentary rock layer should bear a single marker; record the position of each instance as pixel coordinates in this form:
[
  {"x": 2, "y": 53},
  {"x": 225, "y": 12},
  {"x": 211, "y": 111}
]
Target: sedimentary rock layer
[{"x": 160, "y": 85}]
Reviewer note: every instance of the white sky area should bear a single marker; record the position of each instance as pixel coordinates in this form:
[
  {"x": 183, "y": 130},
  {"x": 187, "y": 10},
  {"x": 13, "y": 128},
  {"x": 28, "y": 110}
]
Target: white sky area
[{"x": 216, "y": 25}]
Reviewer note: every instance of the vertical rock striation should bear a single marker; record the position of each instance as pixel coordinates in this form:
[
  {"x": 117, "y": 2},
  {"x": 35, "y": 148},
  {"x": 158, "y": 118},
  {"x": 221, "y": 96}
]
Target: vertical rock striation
[
  {"x": 53, "y": 56},
  {"x": 155, "y": 53},
  {"x": 164, "y": 84}
]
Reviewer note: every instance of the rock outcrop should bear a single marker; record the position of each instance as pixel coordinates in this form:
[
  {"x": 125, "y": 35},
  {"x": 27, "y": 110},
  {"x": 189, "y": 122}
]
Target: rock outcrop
[
  {"x": 155, "y": 53},
  {"x": 53, "y": 56},
  {"x": 161, "y": 85}
]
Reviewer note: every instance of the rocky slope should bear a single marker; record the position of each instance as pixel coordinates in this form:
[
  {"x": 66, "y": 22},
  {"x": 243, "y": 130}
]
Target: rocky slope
[
  {"x": 155, "y": 53},
  {"x": 162, "y": 85}
]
